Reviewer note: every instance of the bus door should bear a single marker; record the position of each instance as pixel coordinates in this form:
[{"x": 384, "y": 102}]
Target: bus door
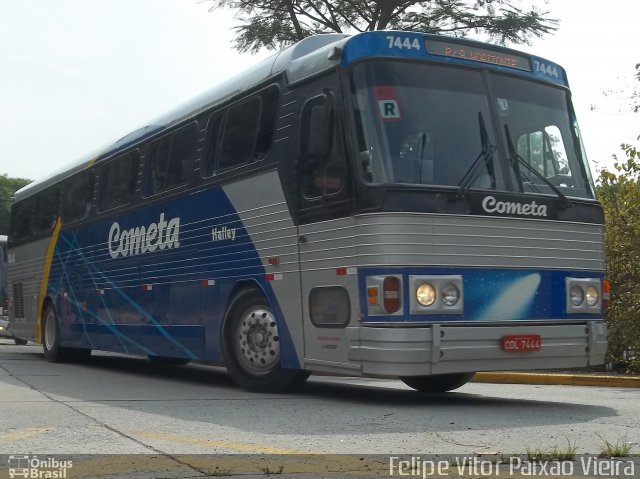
[{"x": 325, "y": 232}]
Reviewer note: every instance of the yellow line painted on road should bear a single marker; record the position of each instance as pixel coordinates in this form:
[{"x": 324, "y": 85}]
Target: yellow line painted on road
[
  {"x": 236, "y": 446},
  {"x": 559, "y": 379},
  {"x": 21, "y": 434}
]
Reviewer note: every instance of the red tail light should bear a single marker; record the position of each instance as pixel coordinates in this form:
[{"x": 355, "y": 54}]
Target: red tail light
[
  {"x": 391, "y": 294},
  {"x": 606, "y": 295}
]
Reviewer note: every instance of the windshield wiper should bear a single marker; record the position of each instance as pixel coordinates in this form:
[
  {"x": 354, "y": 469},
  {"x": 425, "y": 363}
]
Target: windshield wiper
[
  {"x": 517, "y": 161},
  {"x": 484, "y": 159}
]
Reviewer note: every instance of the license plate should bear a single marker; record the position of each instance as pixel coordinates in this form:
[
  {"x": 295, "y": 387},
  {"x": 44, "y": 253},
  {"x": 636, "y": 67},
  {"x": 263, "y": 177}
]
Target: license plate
[{"x": 521, "y": 343}]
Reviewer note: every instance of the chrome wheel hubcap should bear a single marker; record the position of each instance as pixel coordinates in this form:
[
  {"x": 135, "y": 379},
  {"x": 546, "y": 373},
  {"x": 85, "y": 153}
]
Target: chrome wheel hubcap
[{"x": 258, "y": 341}]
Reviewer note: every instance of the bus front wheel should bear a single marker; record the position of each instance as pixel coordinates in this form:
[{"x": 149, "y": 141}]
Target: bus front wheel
[
  {"x": 251, "y": 347},
  {"x": 437, "y": 383}
]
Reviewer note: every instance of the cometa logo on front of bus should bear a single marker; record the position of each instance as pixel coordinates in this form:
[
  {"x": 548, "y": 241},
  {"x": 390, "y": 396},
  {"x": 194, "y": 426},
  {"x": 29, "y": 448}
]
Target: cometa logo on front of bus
[
  {"x": 141, "y": 239},
  {"x": 491, "y": 205}
]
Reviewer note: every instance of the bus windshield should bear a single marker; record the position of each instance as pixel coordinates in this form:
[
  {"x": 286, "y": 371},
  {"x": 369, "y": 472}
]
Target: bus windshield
[{"x": 426, "y": 124}]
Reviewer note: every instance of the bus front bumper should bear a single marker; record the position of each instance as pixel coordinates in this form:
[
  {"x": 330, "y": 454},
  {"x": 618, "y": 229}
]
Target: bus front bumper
[{"x": 442, "y": 349}]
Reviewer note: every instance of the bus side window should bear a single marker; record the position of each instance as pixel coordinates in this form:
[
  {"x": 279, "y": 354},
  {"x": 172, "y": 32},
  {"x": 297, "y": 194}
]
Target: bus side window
[
  {"x": 213, "y": 142},
  {"x": 270, "y": 99},
  {"x": 171, "y": 159},
  {"x": 46, "y": 212},
  {"x": 119, "y": 181},
  {"x": 240, "y": 133},
  {"x": 322, "y": 167},
  {"x": 21, "y": 220},
  {"x": 78, "y": 197}
]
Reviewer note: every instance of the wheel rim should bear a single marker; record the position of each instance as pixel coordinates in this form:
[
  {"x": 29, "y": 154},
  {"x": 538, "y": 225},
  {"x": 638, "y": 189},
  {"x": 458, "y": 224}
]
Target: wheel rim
[
  {"x": 257, "y": 340},
  {"x": 50, "y": 330}
]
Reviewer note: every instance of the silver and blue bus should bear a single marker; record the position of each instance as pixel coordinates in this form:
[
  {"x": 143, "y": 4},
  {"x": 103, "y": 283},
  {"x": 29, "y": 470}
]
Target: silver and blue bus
[{"x": 388, "y": 204}]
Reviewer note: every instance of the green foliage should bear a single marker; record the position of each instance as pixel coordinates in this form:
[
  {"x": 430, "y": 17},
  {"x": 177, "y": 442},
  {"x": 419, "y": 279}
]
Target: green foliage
[
  {"x": 278, "y": 23},
  {"x": 621, "y": 448},
  {"x": 8, "y": 186},
  {"x": 619, "y": 193}
]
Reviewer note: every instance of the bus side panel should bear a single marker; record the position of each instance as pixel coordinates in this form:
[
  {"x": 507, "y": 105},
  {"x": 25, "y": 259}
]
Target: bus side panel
[
  {"x": 24, "y": 272},
  {"x": 270, "y": 229}
]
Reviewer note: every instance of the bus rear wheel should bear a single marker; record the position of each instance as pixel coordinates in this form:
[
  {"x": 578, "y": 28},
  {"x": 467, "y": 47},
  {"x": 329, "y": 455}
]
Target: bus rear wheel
[
  {"x": 437, "y": 383},
  {"x": 20, "y": 342},
  {"x": 251, "y": 347},
  {"x": 53, "y": 352}
]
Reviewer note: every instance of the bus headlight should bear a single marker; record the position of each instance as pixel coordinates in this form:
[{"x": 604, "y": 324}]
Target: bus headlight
[
  {"x": 584, "y": 295},
  {"x": 592, "y": 295},
  {"x": 450, "y": 294},
  {"x": 576, "y": 295},
  {"x": 426, "y": 294}
]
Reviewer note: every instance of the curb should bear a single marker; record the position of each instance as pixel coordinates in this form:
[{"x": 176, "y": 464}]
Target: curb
[{"x": 506, "y": 377}]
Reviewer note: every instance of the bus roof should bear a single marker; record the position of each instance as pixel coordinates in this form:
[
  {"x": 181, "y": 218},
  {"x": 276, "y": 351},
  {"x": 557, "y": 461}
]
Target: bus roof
[{"x": 305, "y": 59}]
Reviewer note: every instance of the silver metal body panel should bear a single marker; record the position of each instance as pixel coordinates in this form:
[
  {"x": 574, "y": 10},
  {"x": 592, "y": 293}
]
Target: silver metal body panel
[
  {"x": 429, "y": 240},
  {"x": 411, "y": 239},
  {"x": 443, "y": 349},
  {"x": 26, "y": 267}
]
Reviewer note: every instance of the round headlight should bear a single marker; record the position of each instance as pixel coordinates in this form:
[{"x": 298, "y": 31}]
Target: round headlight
[
  {"x": 426, "y": 294},
  {"x": 450, "y": 294},
  {"x": 576, "y": 295},
  {"x": 593, "y": 296}
]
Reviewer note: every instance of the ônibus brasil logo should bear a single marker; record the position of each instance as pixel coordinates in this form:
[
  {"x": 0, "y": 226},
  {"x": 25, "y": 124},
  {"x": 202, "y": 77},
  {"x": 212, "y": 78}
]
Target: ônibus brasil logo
[
  {"x": 491, "y": 205},
  {"x": 37, "y": 468},
  {"x": 141, "y": 239}
]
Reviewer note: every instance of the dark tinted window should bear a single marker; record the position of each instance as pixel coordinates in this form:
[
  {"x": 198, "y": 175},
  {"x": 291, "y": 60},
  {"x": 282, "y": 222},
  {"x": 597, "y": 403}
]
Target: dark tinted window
[
  {"x": 46, "y": 210},
  {"x": 322, "y": 167},
  {"x": 171, "y": 158},
  {"x": 119, "y": 181},
  {"x": 21, "y": 219},
  {"x": 78, "y": 196},
  {"x": 267, "y": 122},
  {"x": 213, "y": 143},
  {"x": 240, "y": 133}
]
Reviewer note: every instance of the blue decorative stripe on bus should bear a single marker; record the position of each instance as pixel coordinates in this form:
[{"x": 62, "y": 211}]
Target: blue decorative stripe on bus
[
  {"x": 490, "y": 294},
  {"x": 157, "y": 281}
]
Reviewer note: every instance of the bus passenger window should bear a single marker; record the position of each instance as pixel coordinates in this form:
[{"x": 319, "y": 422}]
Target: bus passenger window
[
  {"x": 213, "y": 142},
  {"x": 267, "y": 121},
  {"x": 119, "y": 184},
  {"x": 240, "y": 134},
  {"x": 184, "y": 147},
  {"x": 78, "y": 197},
  {"x": 171, "y": 159},
  {"x": 21, "y": 217},
  {"x": 46, "y": 212}
]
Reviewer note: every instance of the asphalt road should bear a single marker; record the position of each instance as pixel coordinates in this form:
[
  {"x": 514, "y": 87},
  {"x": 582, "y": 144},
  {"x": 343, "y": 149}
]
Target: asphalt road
[{"x": 121, "y": 405}]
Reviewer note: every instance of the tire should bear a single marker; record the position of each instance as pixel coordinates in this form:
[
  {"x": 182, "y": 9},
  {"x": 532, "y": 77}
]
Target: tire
[
  {"x": 53, "y": 352},
  {"x": 167, "y": 361},
  {"x": 251, "y": 347},
  {"x": 438, "y": 383},
  {"x": 20, "y": 342}
]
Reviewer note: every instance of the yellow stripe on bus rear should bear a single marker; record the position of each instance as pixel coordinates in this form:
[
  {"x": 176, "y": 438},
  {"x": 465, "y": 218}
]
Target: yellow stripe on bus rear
[{"x": 44, "y": 281}]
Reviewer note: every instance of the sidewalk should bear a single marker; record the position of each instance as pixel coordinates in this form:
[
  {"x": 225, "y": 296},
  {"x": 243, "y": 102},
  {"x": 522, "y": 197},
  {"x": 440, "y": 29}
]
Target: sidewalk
[{"x": 572, "y": 379}]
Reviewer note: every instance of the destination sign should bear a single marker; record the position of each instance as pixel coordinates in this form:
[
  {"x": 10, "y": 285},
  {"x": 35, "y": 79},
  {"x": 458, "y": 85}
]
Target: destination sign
[{"x": 475, "y": 53}]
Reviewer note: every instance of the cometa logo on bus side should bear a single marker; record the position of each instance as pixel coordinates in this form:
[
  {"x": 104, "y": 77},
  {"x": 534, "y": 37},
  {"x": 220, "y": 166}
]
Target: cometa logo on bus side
[
  {"x": 141, "y": 239},
  {"x": 491, "y": 205}
]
